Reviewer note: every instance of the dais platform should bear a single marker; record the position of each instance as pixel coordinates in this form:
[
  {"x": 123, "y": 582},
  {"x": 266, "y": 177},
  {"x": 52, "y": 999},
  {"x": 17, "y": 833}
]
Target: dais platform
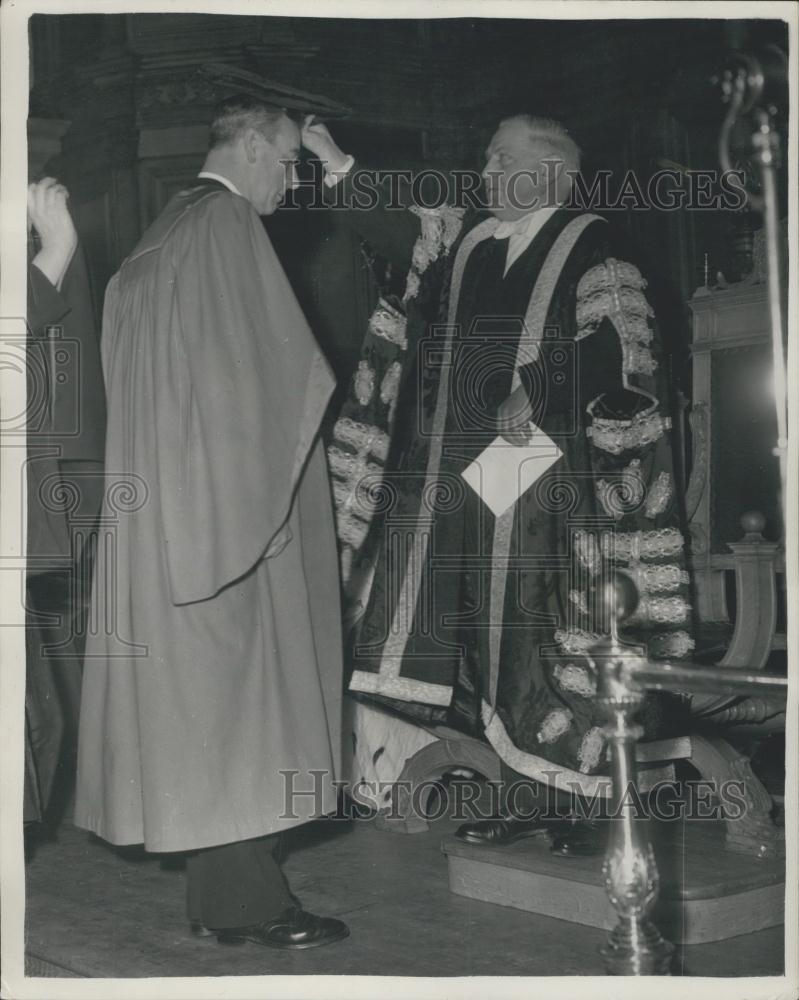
[{"x": 706, "y": 892}]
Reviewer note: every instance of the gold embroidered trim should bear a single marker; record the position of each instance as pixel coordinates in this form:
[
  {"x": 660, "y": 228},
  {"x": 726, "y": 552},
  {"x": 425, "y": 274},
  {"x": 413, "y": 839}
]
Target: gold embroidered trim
[
  {"x": 388, "y": 323},
  {"x": 615, "y": 289},
  {"x": 616, "y": 436},
  {"x": 659, "y": 578},
  {"x": 599, "y": 279},
  {"x": 671, "y": 645},
  {"x": 352, "y": 531},
  {"x": 440, "y": 229},
  {"x": 576, "y": 641},
  {"x": 412, "y": 286},
  {"x": 632, "y": 546},
  {"x": 363, "y": 382},
  {"x": 347, "y": 465},
  {"x": 401, "y": 688},
  {"x": 563, "y": 778},
  {"x": 663, "y": 610},
  {"x": 659, "y": 496},
  {"x": 591, "y": 747},
  {"x": 539, "y": 768},
  {"x": 353, "y": 476},
  {"x": 555, "y": 724},
  {"x": 390, "y": 382},
  {"x": 503, "y": 529},
  {"x": 577, "y": 679},
  {"x": 638, "y": 360},
  {"x": 362, "y": 437}
]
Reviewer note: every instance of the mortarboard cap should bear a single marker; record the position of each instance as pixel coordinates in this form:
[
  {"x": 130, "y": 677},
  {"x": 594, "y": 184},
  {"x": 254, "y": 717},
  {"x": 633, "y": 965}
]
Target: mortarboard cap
[{"x": 233, "y": 80}]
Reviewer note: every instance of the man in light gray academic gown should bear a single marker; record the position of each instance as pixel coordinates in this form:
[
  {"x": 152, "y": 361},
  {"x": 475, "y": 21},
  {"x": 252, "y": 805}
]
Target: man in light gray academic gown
[{"x": 212, "y": 682}]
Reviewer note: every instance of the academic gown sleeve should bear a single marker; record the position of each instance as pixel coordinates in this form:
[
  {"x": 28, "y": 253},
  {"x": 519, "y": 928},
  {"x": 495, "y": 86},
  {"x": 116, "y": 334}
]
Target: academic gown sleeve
[
  {"x": 252, "y": 387},
  {"x": 392, "y": 232},
  {"x": 596, "y": 364}
]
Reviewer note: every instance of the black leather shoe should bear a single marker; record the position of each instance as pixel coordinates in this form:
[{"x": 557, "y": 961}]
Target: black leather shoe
[
  {"x": 577, "y": 839},
  {"x": 294, "y": 928},
  {"x": 496, "y": 832}
]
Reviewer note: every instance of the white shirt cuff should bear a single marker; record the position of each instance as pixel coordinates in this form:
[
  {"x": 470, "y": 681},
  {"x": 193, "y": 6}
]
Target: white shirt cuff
[{"x": 332, "y": 177}]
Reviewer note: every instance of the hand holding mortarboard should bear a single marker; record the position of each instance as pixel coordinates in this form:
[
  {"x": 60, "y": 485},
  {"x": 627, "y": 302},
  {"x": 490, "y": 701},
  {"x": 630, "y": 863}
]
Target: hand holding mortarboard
[
  {"x": 316, "y": 138},
  {"x": 49, "y": 216}
]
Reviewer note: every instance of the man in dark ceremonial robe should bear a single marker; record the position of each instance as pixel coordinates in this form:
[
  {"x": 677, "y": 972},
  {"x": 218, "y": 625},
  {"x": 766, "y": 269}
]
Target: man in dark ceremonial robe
[
  {"x": 212, "y": 687},
  {"x": 65, "y": 437},
  {"x": 483, "y": 607}
]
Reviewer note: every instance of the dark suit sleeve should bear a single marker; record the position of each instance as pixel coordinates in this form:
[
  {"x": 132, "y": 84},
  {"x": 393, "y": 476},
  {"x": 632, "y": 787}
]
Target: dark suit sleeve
[
  {"x": 69, "y": 358},
  {"x": 48, "y": 542},
  {"x": 83, "y": 392},
  {"x": 46, "y": 305}
]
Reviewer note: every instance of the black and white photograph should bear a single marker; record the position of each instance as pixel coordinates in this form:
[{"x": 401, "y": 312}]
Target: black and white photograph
[{"x": 399, "y": 480}]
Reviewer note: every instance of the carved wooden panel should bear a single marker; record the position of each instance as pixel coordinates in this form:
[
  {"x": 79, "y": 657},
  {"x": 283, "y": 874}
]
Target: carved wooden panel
[
  {"x": 734, "y": 430},
  {"x": 161, "y": 178}
]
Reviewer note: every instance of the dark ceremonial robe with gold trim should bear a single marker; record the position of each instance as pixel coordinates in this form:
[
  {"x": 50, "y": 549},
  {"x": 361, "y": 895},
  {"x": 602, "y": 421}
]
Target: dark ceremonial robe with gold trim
[
  {"x": 212, "y": 680},
  {"x": 494, "y": 619}
]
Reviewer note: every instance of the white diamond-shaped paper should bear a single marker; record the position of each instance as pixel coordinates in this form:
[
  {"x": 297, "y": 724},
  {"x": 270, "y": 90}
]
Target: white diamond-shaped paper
[{"x": 504, "y": 472}]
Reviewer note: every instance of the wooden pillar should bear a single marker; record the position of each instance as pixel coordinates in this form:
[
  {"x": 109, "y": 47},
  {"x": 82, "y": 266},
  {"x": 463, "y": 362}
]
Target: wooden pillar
[{"x": 756, "y": 589}]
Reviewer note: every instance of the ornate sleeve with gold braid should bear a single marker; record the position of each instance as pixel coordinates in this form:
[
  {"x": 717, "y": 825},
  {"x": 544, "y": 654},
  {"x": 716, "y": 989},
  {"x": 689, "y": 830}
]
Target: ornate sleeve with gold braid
[
  {"x": 632, "y": 458},
  {"x": 362, "y": 433}
]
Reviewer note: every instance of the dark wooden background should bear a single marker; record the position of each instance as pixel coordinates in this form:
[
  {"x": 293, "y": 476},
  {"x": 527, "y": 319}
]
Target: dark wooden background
[{"x": 122, "y": 97}]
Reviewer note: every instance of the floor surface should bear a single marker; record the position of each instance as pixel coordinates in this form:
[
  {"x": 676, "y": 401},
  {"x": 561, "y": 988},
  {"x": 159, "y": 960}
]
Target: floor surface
[{"x": 94, "y": 911}]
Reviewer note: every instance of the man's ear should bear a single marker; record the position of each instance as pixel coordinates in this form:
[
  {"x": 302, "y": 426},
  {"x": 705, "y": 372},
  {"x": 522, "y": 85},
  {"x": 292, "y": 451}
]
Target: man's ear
[{"x": 251, "y": 141}]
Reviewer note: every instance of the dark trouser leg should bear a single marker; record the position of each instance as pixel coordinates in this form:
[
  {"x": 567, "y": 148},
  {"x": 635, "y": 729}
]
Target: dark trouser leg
[
  {"x": 236, "y": 885},
  {"x": 52, "y": 696},
  {"x": 526, "y": 798},
  {"x": 56, "y": 605}
]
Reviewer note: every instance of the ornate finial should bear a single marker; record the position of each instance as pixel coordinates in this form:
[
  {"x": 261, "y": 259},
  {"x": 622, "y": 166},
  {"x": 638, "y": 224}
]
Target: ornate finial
[
  {"x": 753, "y": 523},
  {"x": 617, "y": 599}
]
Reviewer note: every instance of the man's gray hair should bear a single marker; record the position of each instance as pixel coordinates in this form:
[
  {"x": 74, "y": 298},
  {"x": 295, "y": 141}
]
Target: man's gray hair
[
  {"x": 554, "y": 134},
  {"x": 236, "y": 114}
]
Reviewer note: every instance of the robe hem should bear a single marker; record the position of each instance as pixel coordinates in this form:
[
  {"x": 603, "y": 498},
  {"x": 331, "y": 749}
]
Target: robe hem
[
  {"x": 560, "y": 777},
  {"x": 158, "y": 846},
  {"x": 539, "y": 768}
]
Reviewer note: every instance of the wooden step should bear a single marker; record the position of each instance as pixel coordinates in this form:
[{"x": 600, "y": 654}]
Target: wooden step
[{"x": 706, "y": 892}]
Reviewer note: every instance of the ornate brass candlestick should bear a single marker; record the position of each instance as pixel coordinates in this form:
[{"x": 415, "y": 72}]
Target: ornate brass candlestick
[{"x": 635, "y": 947}]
